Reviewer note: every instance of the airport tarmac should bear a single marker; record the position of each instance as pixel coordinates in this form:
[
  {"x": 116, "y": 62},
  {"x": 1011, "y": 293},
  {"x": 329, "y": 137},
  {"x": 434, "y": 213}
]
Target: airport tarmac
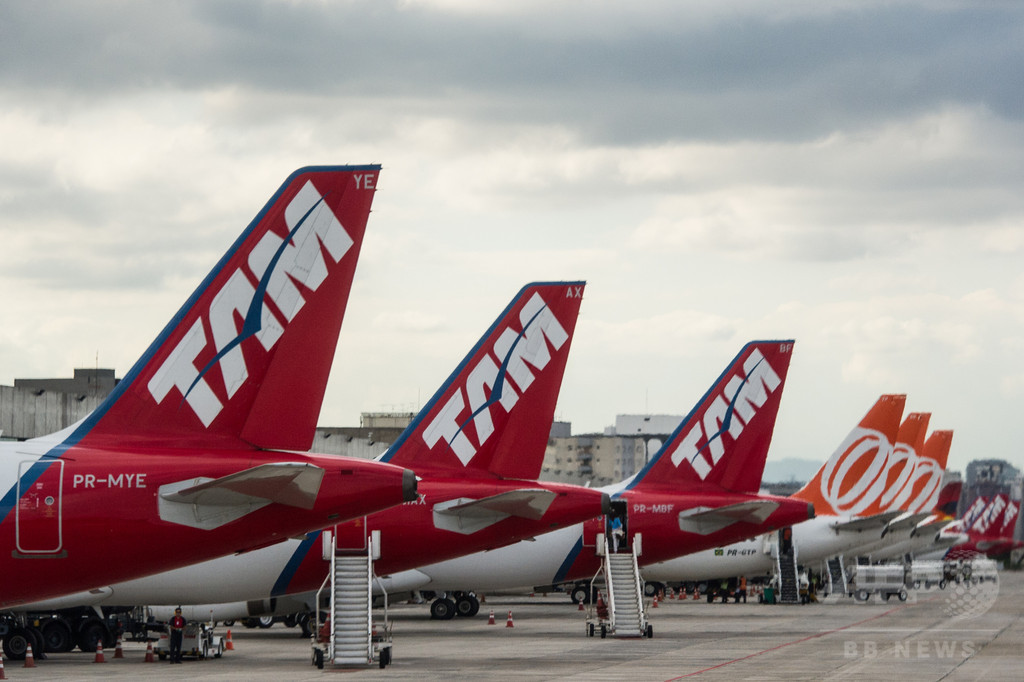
[{"x": 956, "y": 634}]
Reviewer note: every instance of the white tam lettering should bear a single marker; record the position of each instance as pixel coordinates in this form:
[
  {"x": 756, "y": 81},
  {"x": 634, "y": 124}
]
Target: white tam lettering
[
  {"x": 540, "y": 327},
  {"x": 234, "y": 297},
  {"x": 446, "y": 425},
  {"x": 179, "y": 371}
]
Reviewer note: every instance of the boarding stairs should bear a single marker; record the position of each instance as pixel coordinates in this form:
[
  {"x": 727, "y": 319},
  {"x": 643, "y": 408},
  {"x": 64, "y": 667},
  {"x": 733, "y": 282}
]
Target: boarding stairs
[
  {"x": 354, "y": 639},
  {"x": 625, "y": 593},
  {"x": 789, "y": 582},
  {"x": 838, "y": 584}
]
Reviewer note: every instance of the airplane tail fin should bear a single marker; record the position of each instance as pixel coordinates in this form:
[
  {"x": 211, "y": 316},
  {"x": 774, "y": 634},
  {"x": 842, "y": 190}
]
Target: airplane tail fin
[
  {"x": 1009, "y": 519},
  {"x": 494, "y": 413},
  {"x": 853, "y": 478},
  {"x": 926, "y": 484},
  {"x": 949, "y": 498},
  {"x": 248, "y": 356},
  {"x": 723, "y": 442}
]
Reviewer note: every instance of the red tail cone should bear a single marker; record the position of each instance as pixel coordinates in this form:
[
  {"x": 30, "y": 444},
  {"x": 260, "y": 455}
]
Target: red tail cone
[
  {"x": 149, "y": 653},
  {"x": 99, "y": 653},
  {"x": 30, "y": 660},
  {"x": 509, "y": 623},
  {"x": 490, "y": 618}
]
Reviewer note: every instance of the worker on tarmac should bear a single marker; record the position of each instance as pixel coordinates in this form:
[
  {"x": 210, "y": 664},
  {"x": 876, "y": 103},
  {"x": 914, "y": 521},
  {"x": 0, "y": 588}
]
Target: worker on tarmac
[{"x": 177, "y": 626}]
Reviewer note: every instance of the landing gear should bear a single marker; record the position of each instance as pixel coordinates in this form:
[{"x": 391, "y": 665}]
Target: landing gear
[
  {"x": 16, "y": 643},
  {"x": 581, "y": 594},
  {"x": 467, "y": 605},
  {"x": 442, "y": 608}
]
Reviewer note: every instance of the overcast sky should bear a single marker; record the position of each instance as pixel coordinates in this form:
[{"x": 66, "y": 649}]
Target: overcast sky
[{"x": 846, "y": 174}]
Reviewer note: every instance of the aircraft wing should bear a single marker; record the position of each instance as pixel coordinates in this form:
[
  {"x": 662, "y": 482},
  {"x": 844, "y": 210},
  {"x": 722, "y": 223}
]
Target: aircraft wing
[
  {"x": 874, "y": 522},
  {"x": 707, "y": 520}
]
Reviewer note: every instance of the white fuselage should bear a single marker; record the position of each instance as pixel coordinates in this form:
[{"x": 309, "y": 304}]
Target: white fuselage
[{"x": 815, "y": 540}]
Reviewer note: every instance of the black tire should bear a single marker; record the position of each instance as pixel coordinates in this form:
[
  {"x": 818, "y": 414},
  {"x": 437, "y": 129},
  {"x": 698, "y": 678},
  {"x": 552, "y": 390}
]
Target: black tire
[
  {"x": 90, "y": 634},
  {"x": 250, "y": 622},
  {"x": 306, "y": 624},
  {"x": 16, "y": 643},
  {"x": 579, "y": 594},
  {"x": 162, "y": 656},
  {"x": 442, "y": 608},
  {"x": 291, "y": 620},
  {"x": 604, "y": 631},
  {"x": 942, "y": 584},
  {"x": 385, "y": 657},
  {"x": 265, "y": 622},
  {"x": 653, "y": 588},
  {"x": 650, "y": 631},
  {"x": 862, "y": 595},
  {"x": 917, "y": 585},
  {"x": 57, "y": 636},
  {"x": 902, "y": 594},
  {"x": 318, "y": 658},
  {"x": 467, "y": 606},
  {"x": 228, "y": 623},
  {"x": 590, "y": 629}
]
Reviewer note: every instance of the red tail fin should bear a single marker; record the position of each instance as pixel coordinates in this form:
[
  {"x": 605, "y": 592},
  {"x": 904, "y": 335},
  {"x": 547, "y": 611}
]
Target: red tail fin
[
  {"x": 949, "y": 497},
  {"x": 853, "y": 477},
  {"x": 723, "y": 441},
  {"x": 494, "y": 412},
  {"x": 248, "y": 355}
]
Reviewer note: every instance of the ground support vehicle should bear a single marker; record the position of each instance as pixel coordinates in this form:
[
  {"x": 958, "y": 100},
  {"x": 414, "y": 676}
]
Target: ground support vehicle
[
  {"x": 198, "y": 641},
  {"x": 927, "y": 574},
  {"x": 884, "y": 580}
]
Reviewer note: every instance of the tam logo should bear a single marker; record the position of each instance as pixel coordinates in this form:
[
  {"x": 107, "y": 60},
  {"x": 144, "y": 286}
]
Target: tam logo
[
  {"x": 729, "y": 412},
  {"x": 512, "y": 352},
  {"x": 991, "y": 513},
  {"x": 275, "y": 264}
]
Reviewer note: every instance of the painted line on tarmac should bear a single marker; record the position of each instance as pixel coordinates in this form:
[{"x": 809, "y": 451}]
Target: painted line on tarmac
[{"x": 795, "y": 641}]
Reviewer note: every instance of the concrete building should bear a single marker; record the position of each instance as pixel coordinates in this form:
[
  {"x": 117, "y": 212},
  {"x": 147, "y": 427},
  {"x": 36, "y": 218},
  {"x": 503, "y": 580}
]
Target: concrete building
[{"x": 36, "y": 407}]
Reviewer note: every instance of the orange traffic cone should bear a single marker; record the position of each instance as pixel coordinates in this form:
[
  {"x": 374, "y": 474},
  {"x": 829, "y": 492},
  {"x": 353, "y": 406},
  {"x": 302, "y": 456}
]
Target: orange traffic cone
[
  {"x": 696, "y": 593},
  {"x": 228, "y": 644},
  {"x": 581, "y": 607},
  {"x": 99, "y": 653},
  {"x": 654, "y": 604},
  {"x": 509, "y": 623},
  {"x": 149, "y": 653},
  {"x": 30, "y": 661},
  {"x": 490, "y": 618},
  {"x": 2, "y": 676},
  {"x": 118, "y": 651}
]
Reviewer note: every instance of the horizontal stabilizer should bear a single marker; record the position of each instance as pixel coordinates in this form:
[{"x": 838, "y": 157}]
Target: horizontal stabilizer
[
  {"x": 930, "y": 526},
  {"x": 707, "y": 520},
  {"x": 873, "y": 522},
  {"x": 905, "y": 521},
  {"x": 210, "y": 503},
  {"x": 467, "y": 516}
]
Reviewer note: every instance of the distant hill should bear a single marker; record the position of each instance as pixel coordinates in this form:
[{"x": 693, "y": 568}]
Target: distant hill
[{"x": 790, "y": 469}]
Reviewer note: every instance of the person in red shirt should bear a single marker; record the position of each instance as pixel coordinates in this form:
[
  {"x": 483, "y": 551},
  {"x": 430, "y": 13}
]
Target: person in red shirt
[{"x": 177, "y": 626}]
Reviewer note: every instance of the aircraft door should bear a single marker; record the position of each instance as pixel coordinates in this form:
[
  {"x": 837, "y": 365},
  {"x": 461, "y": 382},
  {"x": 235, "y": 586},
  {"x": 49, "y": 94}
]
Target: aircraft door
[
  {"x": 352, "y": 535},
  {"x": 38, "y": 522}
]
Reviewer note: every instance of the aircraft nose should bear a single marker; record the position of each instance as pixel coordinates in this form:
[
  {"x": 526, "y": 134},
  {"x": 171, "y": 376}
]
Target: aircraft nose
[{"x": 408, "y": 485}]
